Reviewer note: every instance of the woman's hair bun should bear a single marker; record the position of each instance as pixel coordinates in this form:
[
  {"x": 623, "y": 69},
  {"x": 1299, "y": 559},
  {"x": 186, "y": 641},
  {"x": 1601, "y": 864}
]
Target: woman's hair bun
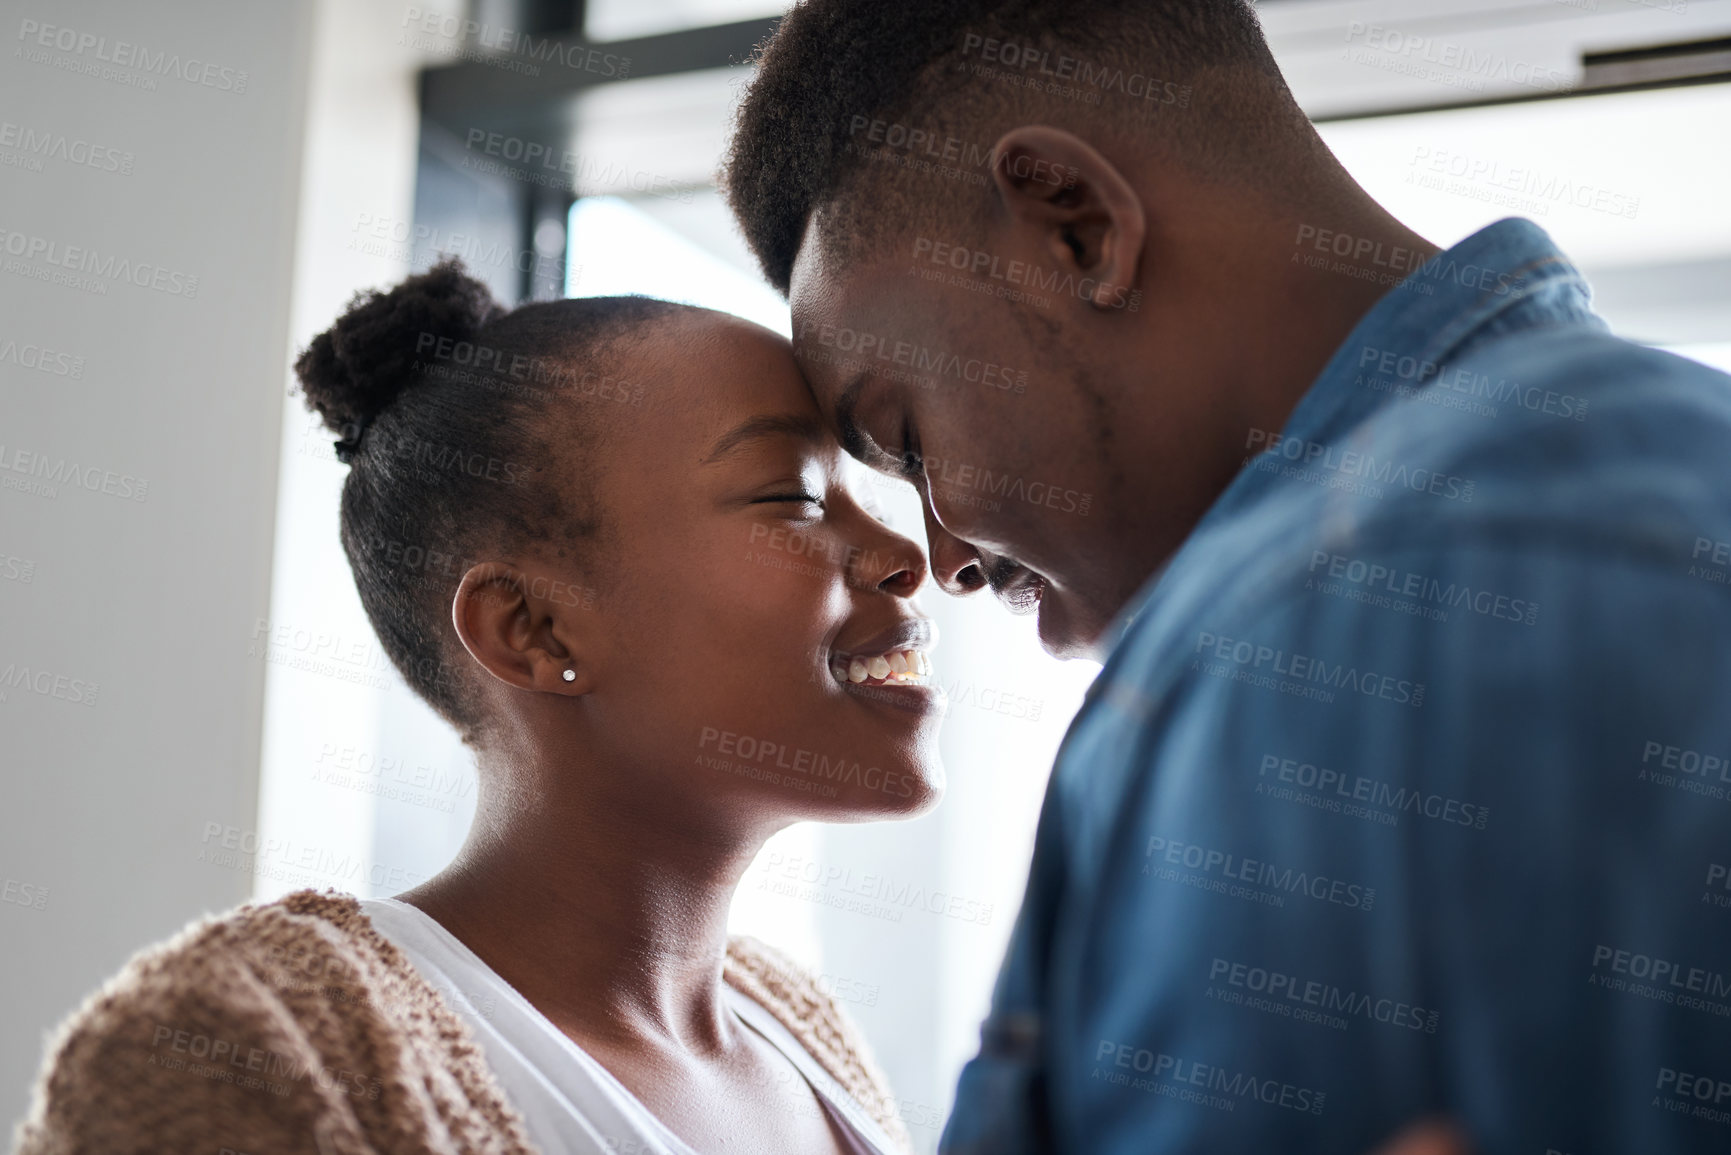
[{"x": 352, "y": 371}]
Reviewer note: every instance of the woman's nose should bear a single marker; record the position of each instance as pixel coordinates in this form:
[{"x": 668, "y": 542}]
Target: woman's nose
[{"x": 885, "y": 560}]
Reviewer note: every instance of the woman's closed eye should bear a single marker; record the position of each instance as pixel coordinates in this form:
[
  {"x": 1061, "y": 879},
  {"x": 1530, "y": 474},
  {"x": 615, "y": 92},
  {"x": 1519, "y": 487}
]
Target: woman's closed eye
[{"x": 790, "y": 498}]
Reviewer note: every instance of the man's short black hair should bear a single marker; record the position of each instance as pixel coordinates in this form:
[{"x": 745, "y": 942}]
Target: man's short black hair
[{"x": 894, "y": 91}]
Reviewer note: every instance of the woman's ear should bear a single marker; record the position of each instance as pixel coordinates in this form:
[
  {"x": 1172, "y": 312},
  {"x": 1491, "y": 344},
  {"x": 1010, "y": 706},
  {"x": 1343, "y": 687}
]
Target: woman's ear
[
  {"x": 1087, "y": 216},
  {"x": 522, "y": 629}
]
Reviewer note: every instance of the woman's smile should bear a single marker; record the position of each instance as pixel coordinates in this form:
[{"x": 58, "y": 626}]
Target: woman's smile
[{"x": 891, "y": 667}]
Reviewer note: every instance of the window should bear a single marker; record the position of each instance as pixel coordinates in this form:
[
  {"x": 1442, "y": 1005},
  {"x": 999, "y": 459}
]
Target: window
[{"x": 1630, "y": 185}]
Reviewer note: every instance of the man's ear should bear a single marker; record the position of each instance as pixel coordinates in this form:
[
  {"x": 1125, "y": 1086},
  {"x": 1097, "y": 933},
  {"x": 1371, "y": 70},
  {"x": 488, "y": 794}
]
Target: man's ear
[
  {"x": 1091, "y": 221},
  {"x": 522, "y": 628}
]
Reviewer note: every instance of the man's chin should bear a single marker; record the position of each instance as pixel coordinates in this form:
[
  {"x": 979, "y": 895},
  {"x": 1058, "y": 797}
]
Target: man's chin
[{"x": 1061, "y": 634}]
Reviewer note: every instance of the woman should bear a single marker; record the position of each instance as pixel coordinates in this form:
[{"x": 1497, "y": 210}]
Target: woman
[{"x": 609, "y": 541}]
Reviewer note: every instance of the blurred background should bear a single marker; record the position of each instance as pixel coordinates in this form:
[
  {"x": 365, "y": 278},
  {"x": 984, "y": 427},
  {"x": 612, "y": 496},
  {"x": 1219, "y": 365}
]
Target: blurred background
[{"x": 193, "y": 709}]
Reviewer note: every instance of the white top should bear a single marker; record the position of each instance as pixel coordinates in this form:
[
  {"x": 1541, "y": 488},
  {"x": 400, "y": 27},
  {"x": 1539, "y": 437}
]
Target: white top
[{"x": 571, "y": 1104}]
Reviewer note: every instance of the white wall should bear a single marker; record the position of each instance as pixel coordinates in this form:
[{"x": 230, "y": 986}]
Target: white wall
[{"x": 134, "y": 580}]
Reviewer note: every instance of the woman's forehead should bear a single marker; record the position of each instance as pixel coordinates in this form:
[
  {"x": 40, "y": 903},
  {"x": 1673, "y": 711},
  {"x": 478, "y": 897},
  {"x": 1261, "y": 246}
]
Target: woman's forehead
[{"x": 714, "y": 366}]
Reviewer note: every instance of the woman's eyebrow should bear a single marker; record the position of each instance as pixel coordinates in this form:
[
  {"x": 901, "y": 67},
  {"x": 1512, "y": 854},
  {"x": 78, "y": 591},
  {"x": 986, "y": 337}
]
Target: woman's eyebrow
[{"x": 802, "y": 426}]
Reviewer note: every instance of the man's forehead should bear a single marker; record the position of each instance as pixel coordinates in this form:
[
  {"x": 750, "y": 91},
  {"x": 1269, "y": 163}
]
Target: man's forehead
[
  {"x": 824, "y": 301},
  {"x": 831, "y": 263},
  {"x": 809, "y": 281}
]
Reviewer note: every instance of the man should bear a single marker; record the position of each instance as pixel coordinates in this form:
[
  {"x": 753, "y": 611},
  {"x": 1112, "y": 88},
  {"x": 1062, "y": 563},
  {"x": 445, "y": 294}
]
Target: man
[{"x": 1404, "y": 788}]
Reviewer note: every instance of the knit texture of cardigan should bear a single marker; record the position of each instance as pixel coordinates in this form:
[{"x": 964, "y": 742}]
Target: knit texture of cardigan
[{"x": 294, "y": 1028}]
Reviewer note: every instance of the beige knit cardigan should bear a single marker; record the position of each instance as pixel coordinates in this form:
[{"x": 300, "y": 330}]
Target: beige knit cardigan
[{"x": 294, "y": 1028}]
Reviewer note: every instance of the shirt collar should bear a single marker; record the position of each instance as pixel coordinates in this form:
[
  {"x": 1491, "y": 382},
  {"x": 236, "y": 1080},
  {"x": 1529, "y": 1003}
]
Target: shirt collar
[{"x": 1492, "y": 276}]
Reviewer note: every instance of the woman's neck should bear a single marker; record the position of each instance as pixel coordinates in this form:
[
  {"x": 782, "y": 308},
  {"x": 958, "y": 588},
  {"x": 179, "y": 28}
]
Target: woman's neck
[{"x": 609, "y": 917}]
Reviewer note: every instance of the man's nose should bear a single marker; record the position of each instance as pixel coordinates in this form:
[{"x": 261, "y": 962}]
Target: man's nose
[{"x": 956, "y": 566}]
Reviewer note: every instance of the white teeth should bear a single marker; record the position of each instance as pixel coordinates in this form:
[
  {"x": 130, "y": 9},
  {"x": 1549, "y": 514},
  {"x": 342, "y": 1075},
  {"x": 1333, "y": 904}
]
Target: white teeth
[{"x": 896, "y": 667}]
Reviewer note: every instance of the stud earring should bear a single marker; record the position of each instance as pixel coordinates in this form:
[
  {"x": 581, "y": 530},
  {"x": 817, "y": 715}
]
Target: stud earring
[{"x": 569, "y": 675}]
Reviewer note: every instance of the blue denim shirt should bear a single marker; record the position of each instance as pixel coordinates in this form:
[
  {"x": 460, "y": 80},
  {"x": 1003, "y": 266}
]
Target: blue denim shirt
[{"x": 1406, "y": 788}]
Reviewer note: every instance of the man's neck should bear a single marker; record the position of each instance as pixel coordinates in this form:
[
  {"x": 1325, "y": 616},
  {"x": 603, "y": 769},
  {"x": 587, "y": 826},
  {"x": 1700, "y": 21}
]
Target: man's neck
[
  {"x": 1313, "y": 275},
  {"x": 1256, "y": 324}
]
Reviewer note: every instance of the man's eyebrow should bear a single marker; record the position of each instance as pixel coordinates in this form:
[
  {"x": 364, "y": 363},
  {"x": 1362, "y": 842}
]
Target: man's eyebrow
[
  {"x": 801, "y": 426},
  {"x": 853, "y": 439}
]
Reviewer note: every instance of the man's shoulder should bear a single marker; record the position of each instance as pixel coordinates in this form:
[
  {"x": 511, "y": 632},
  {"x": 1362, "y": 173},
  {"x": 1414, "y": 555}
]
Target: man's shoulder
[
  {"x": 1548, "y": 451},
  {"x": 1527, "y": 407},
  {"x": 1554, "y": 443},
  {"x": 1562, "y": 439},
  {"x": 1560, "y": 353}
]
